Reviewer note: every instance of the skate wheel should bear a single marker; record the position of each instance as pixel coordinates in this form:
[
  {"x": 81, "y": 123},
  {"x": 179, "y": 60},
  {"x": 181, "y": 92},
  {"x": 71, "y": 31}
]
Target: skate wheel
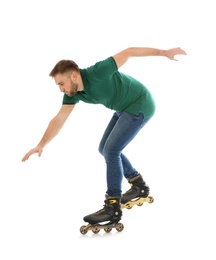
[
  {"x": 151, "y": 199},
  {"x": 107, "y": 230},
  {"x": 120, "y": 227},
  {"x": 128, "y": 206},
  {"x": 83, "y": 230},
  {"x": 95, "y": 230}
]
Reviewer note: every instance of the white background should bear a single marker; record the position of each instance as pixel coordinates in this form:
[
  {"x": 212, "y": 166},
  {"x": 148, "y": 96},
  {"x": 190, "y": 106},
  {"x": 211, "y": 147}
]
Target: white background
[{"x": 43, "y": 201}]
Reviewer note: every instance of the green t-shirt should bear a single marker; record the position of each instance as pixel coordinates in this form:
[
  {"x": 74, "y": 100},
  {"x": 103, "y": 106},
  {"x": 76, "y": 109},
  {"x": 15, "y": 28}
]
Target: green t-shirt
[{"x": 104, "y": 84}]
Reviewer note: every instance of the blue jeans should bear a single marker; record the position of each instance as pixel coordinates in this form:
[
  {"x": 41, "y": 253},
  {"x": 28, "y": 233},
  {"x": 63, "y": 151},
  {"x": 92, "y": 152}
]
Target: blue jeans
[{"x": 121, "y": 130}]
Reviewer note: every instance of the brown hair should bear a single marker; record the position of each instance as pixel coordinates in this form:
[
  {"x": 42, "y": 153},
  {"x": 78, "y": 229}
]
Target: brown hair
[{"x": 64, "y": 66}]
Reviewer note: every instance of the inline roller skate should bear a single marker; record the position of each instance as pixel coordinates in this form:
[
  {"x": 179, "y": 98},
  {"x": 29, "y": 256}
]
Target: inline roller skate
[
  {"x": 137, "y": 194},
  {"x": 107, "y": 218}
]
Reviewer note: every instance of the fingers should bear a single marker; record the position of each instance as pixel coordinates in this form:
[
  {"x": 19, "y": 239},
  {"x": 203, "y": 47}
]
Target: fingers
[
  {"x": 174, "y": 59},
  {"x": 32, "y": 151},
  {"x": 181, "y": 51},
  {"x": 25, "y": 157},
  {"x": 174, "y": 52}
]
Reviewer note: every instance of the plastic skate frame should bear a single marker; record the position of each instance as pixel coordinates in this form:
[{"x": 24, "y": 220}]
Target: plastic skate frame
[
  {"x": 138, "y": 202},
  {"x": 95, "y": 228}
]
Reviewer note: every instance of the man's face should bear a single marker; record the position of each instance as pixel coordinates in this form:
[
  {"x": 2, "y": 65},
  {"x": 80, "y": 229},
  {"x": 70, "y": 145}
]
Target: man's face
[{"x": 67, "y": 83}]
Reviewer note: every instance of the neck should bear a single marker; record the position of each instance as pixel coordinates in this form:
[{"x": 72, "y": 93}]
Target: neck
[{"x": 80, "y": 83}]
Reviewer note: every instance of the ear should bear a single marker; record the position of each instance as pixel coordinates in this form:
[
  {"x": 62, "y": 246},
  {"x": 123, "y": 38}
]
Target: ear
[{"x": 74, "y": 75}]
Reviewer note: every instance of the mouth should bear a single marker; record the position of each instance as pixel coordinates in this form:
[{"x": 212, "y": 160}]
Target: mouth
[{"x": 69, "y": 94}]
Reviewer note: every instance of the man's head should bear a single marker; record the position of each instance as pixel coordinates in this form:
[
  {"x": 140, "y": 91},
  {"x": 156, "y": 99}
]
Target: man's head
[
  {"x": 64, "y": 66},
  {"x": 66, "y": 74}
]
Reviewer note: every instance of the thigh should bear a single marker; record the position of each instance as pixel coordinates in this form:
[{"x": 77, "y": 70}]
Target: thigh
[
  {"x": 125, "y": 129},
  {"x": 107, "y": 131}
]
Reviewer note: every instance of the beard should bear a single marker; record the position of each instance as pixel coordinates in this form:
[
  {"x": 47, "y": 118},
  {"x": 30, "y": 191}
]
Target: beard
[{"x": 73, "y": 90}]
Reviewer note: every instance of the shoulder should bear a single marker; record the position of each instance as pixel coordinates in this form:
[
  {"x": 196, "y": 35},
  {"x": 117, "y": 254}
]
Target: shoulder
[
  {"x": 70, "y": 100},
  {"x": 103, "y": 68}
]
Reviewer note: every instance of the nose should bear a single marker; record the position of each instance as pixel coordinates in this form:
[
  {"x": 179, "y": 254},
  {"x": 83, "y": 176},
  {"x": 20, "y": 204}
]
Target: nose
[{"x": 61, "y": 89}]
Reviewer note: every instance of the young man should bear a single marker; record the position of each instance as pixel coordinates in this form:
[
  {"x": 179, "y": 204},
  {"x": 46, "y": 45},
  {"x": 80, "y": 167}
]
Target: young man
[{"x": 133, "y": 104}]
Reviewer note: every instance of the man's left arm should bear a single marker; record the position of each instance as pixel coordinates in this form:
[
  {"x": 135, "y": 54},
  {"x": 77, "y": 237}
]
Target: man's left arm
[{"x": 121, "y": 57}]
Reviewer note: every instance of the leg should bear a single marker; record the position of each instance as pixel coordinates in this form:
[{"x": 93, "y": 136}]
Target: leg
[
  {"x": 122, "y": 128},
  {"x": 128, "y": 170}
]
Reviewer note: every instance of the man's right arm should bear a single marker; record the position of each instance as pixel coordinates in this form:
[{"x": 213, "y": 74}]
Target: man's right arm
[{"x": 52, "y": 130}]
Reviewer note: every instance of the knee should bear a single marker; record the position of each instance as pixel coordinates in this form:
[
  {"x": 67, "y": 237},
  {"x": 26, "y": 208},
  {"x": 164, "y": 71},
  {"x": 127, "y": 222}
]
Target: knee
[
  {"x": 100, "y": 149},
  {"x": 109, "y": 152},
  {"x": 104, "y": 150}
]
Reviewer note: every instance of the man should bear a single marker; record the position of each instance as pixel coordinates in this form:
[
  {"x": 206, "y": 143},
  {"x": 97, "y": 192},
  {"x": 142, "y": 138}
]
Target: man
[{"x": 133, "y": 104}]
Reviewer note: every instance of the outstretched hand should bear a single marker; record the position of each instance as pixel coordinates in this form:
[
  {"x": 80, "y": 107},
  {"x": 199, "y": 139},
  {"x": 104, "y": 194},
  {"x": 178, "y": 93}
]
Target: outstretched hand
[
  {"x": 37, "y": 149},
  {"x": 170, "y": 54}
]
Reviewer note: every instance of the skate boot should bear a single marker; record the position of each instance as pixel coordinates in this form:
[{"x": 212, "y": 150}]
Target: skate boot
[
  {"x": 137, "y": 194},
  {"x": 106, "y": 218}
]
